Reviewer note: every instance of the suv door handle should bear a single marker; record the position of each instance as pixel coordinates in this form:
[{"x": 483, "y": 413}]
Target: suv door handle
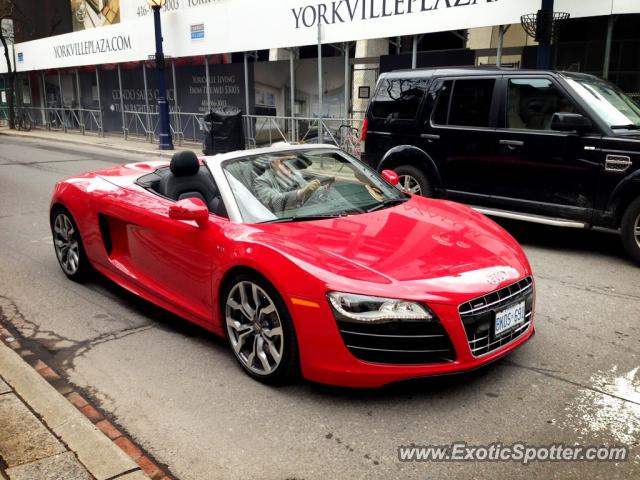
[
  {"x": 430, "y": 136},
  {"x": 512, "y": 143}
]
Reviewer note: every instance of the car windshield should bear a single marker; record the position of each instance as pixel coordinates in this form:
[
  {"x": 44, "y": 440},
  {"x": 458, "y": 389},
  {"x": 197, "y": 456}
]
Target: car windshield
[
  {"x": 608, "y": 102},
  {"x": 306, "y": 185}
]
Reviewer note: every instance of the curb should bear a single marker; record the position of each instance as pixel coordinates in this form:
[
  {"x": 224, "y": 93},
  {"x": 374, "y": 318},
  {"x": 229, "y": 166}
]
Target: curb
[
  {"x": 71, "y": 138},
  {"x": 104, "y": 450}
]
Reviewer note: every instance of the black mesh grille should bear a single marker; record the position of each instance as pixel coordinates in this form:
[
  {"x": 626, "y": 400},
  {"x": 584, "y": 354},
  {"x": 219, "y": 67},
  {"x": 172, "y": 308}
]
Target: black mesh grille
[
  {"x": 397, "y": 342},
  {"x": 478, "y": 316}
]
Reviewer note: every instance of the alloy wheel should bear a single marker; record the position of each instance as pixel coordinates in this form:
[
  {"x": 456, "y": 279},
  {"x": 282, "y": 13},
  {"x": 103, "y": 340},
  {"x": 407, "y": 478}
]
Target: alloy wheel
[
  {"x": 65, "y": 240},
  {"x": 254, "y": 328},
  {"x": 636, "y": 230},
  {"x": 408, "y": 184}
]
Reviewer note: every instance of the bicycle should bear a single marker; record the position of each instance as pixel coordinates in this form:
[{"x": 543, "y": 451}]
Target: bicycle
[
  {"x": 23, "y": 122},
  {"x": 349, "y": 140}
]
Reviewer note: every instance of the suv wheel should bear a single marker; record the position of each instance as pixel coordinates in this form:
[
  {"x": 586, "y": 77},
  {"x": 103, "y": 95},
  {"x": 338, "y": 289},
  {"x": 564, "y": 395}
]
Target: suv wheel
[
  {"x": 415, "y": 181},
  {"x": 631, "y": 229}
]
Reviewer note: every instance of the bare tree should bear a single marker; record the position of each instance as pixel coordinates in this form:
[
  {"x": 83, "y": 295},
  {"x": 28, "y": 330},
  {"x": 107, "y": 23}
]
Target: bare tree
[
  {"x": 7, "y": 11},
  {"x": 10, "y": 10}
]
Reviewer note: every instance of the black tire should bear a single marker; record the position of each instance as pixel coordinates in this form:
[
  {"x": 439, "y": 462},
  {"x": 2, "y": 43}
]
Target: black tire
[
  {"x": 287, "y": 369},
  {"x": 421, "y": 179},
  {"x": 83, "y": 270},
  {"x": 630, "y": 229}
]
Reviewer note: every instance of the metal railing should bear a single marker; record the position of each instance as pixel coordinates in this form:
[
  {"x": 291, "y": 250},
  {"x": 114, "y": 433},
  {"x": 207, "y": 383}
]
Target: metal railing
[
  {"x": 140, "y": 124},
  {"x": 185, "y": 126},
  {"x": 188, "y": 126},
  {"x": 4, "y": 116},
  {"x": 268, "y": 130},
  {"x": 61, "y": 118}
]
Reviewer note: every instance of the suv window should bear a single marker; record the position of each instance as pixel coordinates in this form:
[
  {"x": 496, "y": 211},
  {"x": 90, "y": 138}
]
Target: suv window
[
  {"x": 465, "y": 103},
  {"x": 531, "y": 102},
  {"x": 398, "y": 98}
]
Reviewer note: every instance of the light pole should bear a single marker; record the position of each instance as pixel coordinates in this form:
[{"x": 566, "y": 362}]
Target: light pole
[
  {"x": 544, "y": 31},
  {"x": 166, "y": 142}
]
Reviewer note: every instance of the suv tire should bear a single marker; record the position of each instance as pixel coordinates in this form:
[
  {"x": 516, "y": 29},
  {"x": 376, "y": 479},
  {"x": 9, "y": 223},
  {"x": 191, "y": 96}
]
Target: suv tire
[
  {"x": 631, "y": 229},
  {"x": 413, "y": 180}
]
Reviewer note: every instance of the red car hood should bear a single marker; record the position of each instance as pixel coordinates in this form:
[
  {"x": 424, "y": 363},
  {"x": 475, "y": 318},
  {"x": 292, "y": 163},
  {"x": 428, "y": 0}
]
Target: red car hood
[{"x": 424, "y": 249}]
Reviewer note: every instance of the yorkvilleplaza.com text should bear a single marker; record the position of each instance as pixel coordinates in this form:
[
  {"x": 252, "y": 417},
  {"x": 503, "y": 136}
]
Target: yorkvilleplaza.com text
[{"x": 91, "y": 47}]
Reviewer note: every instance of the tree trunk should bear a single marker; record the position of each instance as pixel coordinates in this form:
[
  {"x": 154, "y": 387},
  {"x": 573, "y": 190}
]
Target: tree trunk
[{"x": 12, "y": 80}]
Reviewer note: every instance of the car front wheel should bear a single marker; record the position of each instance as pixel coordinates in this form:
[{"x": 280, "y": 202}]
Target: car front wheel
[
  {"x": 260, "y": 330},
  {"x": 631, "y": 230}
]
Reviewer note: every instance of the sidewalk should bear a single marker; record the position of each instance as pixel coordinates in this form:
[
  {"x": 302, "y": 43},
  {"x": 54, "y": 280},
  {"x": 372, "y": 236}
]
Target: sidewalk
[
  {"x": 109, "y": 142},
  {"x": 44, "y": 436}
]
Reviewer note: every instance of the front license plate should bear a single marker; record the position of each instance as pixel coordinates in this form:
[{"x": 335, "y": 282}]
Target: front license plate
[{"x": 509, "y": 317}]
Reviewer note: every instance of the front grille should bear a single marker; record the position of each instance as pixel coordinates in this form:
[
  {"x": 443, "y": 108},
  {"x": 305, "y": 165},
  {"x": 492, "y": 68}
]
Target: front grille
[
  {"x": 478, "y": 316},
  {"x": 397, "y": 342}
]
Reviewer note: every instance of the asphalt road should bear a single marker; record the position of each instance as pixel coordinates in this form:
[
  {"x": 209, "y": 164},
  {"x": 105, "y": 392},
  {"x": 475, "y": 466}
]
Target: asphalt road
[{"x": 177, "y": 390}]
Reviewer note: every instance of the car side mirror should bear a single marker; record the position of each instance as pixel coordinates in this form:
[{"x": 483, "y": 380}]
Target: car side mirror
[
  {"x": 192, "y": 209},
  {"x": 391, "y": 177},
  {"x": 569, "y": 122}
]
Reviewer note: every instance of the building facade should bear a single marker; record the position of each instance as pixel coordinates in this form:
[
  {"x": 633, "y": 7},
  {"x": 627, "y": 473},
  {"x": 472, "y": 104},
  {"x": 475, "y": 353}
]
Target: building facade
[{"x": 262, "y": 57}]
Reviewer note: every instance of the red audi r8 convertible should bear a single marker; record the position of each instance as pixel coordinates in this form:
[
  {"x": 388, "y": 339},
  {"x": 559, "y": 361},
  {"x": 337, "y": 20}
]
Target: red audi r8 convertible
[{"x": 307, "y": 260}]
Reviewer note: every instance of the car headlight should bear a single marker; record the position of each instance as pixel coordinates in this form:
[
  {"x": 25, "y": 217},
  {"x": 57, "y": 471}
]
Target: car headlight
[{"x": 367, "y": 309}]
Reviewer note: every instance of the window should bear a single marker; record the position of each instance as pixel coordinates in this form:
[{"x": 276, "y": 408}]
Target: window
[
  {"x": 273, "y": 186},
  {"x": 398, "y": 98},
  {"x": 265, "y": 103},
  {"x": 531, "y": 103},
  {"x": 609, "y": 103},
  {"x": 465, "y": 103},
  {"x": 441, "y": 111}
]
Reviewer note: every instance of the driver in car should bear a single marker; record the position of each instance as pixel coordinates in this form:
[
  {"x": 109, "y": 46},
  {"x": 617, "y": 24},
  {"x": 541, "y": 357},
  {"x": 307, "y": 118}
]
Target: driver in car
[{"x": 281, "y": 188}]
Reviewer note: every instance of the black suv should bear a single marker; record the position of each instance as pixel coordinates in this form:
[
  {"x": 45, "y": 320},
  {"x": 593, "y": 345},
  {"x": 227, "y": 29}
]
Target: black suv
[{"x": 549, "y": 147}]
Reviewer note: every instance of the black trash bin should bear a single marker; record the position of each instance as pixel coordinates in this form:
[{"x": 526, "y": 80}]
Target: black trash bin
[{"x": 225, "y": 131}]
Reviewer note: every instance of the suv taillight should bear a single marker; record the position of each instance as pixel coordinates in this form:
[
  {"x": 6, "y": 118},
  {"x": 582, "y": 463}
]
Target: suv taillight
[{"x": 363, "y": 138}]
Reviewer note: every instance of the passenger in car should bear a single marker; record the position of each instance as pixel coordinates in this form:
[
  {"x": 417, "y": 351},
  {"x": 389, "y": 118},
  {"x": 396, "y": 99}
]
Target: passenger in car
[
  {"x": 280, "y": 188},
  {"x": 514, "y": 109}
]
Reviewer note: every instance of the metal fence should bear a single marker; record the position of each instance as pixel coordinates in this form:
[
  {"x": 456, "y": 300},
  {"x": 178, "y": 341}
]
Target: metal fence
[
  {"x": 185, "y": 126},
  {"x": 262, "y": 131},
  {"x": 77, "y": 119},
  {"x": 82, "y": 120},
  {"x": 190, "y": 127}
]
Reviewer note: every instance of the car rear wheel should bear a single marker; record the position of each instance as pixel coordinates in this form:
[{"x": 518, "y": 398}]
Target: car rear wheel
[
  {"x": 68, "y": 245},
  {"x": 415, "y": 181},
  {"x": 260, "y": 330},
  {"x": 631, "y": 230}
]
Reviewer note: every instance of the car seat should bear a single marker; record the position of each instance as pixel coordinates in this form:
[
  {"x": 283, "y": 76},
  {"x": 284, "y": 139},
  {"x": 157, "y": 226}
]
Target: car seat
[{"x": 187, "y": 180}]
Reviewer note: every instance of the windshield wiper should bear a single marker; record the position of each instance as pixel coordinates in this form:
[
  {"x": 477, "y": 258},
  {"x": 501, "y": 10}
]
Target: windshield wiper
[
  {"x": 629, "y": 126},
  {"x": 303, "y": 218},
  {"x": 387, "y": 203}
]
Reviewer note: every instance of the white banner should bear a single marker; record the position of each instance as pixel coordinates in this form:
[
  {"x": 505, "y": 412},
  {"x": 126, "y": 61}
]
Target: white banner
[
  {"x": 199, "y": 27},
  {"x": 3, "y": 60},
  {"x": 136, "y": 9},
  {"x": 625, "y": 6}
]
